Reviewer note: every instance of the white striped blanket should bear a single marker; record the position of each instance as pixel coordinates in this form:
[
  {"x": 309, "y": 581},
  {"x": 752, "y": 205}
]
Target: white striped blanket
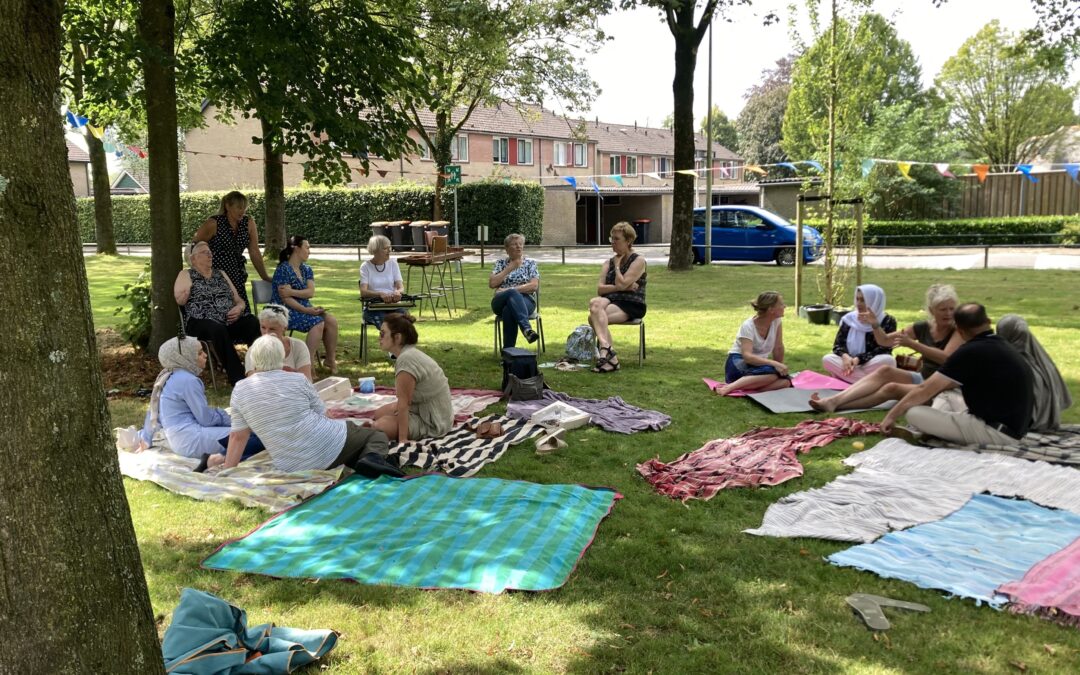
[
  {"x": 460, "y": 453},
  {"x": 1059, "y": 447},
  {"x": 897, "y": 485}
]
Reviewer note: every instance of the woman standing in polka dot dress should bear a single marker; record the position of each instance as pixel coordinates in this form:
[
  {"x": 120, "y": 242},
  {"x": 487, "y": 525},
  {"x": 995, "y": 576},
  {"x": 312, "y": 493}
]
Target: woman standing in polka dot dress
[{"x": 229, "y": 233}]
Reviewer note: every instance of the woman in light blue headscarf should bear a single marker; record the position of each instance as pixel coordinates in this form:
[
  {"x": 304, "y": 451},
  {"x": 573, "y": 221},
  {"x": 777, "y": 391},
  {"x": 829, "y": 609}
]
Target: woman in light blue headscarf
[{"x": 862, "y": 344}]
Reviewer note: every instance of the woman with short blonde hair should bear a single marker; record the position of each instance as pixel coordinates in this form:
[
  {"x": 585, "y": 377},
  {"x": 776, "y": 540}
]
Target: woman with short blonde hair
[
  {"x": 380, "y": 280},
  {"x": 274, "y": 320},
  {"x": 620, "y": 294}
]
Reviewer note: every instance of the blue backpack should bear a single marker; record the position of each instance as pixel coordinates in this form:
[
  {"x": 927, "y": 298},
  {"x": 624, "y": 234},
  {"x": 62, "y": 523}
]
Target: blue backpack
[{"x": 581, "y": 345}]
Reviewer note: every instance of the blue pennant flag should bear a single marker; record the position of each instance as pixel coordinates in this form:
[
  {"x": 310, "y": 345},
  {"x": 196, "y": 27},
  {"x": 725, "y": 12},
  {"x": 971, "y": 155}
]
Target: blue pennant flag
[
  {"x": 76, "y": 121},
  {"x": 816, "y": 165},
  {"x": 867, "y": 167},
  {"x": 1073, "y": 170},
  {"x": 571, "y": 180},
  {"x": 597, "y": 188},
  {"x": 789, "y": 165},
  {"x": 1026, "y": 170}
]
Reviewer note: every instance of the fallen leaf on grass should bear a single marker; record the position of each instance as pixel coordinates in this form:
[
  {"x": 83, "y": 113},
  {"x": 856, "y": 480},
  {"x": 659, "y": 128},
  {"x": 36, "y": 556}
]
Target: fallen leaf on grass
[
  {"x": 1019, "y": 665},
  {"x": 1049, "y": 649},
  {"x": 803, "y": 551},
  {"x": 662, "y": 574}
]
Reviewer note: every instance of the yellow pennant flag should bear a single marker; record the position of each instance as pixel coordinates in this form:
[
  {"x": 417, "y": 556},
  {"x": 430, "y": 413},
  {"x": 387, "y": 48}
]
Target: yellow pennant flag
[
  {"x": 754, "y": 168},
  {"x": 99, "y": 132},
  {"x": 904, "y": 167},
  {"x": 688, "y": 172}
]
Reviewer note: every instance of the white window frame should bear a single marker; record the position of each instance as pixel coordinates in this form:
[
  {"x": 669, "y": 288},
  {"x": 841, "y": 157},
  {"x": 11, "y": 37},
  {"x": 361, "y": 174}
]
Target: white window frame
[
  {"x": 522, "y": 145},
  {"x": 631, "y": 165},
  {"x": 615, "y": 165},
  {"x": 461, "y": 142},
  {"x": 502, "y": 155},
  {"x": 584, "y": 161},
  {"x": 425, "y": 152},
  {"x": 566, "y": 153},
  {"x": 661, "y": 165}
]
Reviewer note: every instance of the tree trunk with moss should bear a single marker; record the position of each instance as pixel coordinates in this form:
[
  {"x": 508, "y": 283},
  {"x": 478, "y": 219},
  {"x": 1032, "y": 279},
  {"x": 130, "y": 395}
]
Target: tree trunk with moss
[{"x": 72, "y": 593}]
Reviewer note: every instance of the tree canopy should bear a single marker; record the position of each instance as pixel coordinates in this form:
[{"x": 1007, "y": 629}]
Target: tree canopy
[
  {"x": 760, "y": 123},
  {"x": 724, "y": 131},
  {"x": 999, "y": 94}
]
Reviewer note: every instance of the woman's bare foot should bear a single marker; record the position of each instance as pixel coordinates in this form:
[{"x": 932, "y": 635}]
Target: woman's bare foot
[
  {"x": 822, "y": 404},
  {"x": 724, "y": 390},
  {"x": 215, "y": 460}
]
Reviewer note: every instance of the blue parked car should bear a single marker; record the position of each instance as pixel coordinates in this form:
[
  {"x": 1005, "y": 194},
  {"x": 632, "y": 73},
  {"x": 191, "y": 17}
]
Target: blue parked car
[{"x": 750, "y": 233}]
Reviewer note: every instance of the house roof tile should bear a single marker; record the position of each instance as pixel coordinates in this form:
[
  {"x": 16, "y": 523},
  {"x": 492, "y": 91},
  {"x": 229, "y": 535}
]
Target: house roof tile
[{"x": 76, "y": 154}]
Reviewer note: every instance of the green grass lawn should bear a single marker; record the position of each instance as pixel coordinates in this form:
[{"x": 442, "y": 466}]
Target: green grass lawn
[{"x": 665, "y": 587}]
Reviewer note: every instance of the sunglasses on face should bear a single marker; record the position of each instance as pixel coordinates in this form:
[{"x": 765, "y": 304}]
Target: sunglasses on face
[{"x": 276, "y": 310}]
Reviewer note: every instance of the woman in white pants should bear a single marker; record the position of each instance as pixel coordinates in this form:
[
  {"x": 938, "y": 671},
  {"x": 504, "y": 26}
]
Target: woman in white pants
[{"x": 862, "y": 344}]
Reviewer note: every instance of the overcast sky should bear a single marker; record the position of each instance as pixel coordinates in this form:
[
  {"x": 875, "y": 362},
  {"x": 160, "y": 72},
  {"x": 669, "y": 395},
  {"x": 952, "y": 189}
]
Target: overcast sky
[{"x": 636, "y": 68}]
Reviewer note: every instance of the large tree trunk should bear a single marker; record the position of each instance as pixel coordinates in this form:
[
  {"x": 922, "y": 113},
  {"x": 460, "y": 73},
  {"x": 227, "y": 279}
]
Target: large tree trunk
[
  {"x": 442, "y": 154},
  {"x": 274, "y": 196},
  {"x": 156, "y": 19},
  {"x": 103, "y": 224},
  {"x": 682, "y": 87},
  {"x": 72, "y": 593}
]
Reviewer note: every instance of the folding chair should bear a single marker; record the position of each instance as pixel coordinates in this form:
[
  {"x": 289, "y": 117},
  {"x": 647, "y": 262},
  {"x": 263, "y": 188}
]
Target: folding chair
[
  {"x": 640, "y": 323},
  {"x": 535, "y": 317},
  {"x": 261, "y": 292},
  {"x": 207, "y": 346}
]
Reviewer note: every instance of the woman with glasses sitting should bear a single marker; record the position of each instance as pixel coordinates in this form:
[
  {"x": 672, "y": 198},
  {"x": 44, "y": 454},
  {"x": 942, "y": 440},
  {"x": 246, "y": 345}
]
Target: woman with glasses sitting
[
  {"x": 620, "y": 294},
  {"x": 423, "y": 408},
  {"x": 274, "y": 320},
  {"x": 380, "y": 280},
  {"x": 516, "y": 280}
]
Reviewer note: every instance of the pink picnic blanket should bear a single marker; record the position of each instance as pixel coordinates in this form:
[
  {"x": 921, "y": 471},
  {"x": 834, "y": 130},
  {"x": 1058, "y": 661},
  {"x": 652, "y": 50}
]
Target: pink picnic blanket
[
  {"x": 804, "y": 379},
  {"x": 466, "y": 403},
  {"x": 762, "y": 456},
  {"x": 1050, "y": 589}
]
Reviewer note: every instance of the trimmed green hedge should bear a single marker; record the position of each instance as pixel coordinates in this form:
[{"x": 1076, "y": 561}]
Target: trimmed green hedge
[
  {"x": 1016, "y": 230},
  {"x": 344, "y": 216}
]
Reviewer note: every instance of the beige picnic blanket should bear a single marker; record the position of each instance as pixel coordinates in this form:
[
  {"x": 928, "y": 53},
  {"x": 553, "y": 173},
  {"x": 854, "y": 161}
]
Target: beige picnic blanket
[{"x": 254, "y": 482}]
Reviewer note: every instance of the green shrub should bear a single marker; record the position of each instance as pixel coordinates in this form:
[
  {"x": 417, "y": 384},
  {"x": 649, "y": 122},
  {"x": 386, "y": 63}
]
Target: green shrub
[
  {"x": 136, "y": 325},
  {"x": 968, "y": 231},
  {"x": 344, "y": 216}
]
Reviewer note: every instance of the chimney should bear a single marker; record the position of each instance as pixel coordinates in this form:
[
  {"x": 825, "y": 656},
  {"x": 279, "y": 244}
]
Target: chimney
[{"x": 635, "y": 125}]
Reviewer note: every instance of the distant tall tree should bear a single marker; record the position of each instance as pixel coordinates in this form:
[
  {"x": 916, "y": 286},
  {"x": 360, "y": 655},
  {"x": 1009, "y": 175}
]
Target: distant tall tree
[
  {"x": 687, "y": 29},
  {"x": 669, "y": 121},
  {"x": 474, "y": 52},
  {"x": 724, "y": 131},
  {"x": 1000, "y": 94},
  {"x": 72, "y": 589},
  {"x": 761, "y": 121},
  {"x": 320, "y": 76}
]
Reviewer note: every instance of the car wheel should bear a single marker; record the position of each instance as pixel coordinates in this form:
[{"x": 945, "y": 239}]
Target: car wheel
[{"x": 785, "y": 257}]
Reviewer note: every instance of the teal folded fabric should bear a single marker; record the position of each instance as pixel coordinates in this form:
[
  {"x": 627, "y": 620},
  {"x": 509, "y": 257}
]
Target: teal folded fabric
[
  {"x": 208, "y": 636},
  {"x": 480, "y": 534}
]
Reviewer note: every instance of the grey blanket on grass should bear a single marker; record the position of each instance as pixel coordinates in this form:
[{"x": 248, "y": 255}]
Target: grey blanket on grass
[
  {"x": 1058, "y": 447},
  {"x": 612, "y": 414}
]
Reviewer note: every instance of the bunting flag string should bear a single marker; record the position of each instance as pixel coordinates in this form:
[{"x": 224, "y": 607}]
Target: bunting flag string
[{"x": 1026, "y": 170}]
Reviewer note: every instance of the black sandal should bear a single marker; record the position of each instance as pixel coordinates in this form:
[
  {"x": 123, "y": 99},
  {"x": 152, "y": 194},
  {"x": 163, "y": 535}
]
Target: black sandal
[{"x": 604, "y": 364}]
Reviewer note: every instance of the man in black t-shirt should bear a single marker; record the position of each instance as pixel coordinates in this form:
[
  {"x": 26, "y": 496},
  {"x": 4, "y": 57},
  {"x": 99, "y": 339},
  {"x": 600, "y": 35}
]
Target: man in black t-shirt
[{"x": 996, "y": 382}]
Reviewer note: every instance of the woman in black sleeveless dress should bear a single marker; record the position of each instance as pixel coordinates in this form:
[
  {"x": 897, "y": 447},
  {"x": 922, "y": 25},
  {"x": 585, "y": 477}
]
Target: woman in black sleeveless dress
[
  {"x": 229, "y": 233},
  {"x": 620, "y": 294}
]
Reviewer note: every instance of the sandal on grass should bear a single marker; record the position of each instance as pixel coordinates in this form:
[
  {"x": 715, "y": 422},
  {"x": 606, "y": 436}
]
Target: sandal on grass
[
  {"x": 603, "y": 363},
  {"x": 549, "y": 443}
]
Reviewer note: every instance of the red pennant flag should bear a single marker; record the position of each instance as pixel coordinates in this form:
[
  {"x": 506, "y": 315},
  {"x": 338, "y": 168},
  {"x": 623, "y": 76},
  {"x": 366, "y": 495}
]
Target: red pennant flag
[
  {"x": 981, "y": 171},
  {"x": 382, "y": 173},
  {"x": 138, "y": 151}
]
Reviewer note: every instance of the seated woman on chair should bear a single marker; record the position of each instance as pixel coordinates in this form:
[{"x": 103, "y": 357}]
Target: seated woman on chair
[
  {"x": 380, "y": 279},
  {"x": 620, "y": 294},
  {"x": 274, "y": 320},
  {"x": 294, "y": 286},
  {"x": 423, "y": 408},
  {"x": 934, "y": 339},
  {"x": 756, "y": 360},
  {"x": 515, "y": 279},
  {"x": 214, "y": 311},
  {"x": 178, "y": 406},
  {"x": 862, "y": 344}
]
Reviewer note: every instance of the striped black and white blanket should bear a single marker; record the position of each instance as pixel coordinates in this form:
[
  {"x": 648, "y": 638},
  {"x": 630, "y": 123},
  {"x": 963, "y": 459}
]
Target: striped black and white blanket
[
  {"x": 460, "y": 453},
  {"x": 1057, "y": 447}
]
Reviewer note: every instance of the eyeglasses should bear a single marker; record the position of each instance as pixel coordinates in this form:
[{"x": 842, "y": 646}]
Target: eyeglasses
[{"x": 276, "y": 309}]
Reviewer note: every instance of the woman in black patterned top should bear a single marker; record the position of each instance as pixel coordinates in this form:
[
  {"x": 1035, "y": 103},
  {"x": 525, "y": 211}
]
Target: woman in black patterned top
[
  {"x": 621, "y": 294},
  {"x": 213, "y": 310},
  {"x": 229, "y": 233}
]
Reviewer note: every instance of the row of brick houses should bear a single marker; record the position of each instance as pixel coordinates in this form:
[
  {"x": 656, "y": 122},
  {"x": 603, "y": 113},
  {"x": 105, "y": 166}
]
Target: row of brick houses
[{"x": 533, "y": 143}]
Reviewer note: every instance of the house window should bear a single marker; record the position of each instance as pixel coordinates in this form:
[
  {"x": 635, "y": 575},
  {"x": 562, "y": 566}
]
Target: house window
[
  {"x": 524, "y": 151},
  {"x": 500, "y": 150},
  {"x": 562, "y": 154},
  {"x": 579, "y": 155},
  {"x": 425, "y": 151},
  {"x": 662, "y": 165},
  {"x": 459, "y": 149},
  {"x": 631, "y": 165},
  {"x": 615, "y": 165}
]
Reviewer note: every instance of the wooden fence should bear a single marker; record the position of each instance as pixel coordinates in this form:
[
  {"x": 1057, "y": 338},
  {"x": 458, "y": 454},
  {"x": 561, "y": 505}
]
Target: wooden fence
[{"x": 1012, "y": 194}]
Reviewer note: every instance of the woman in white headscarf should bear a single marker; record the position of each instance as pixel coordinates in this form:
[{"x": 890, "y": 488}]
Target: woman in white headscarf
[
  {"x": 863, "y": 343},
  {"x": 179, "y": 408},
  {"x": 1051, "y": 393}
]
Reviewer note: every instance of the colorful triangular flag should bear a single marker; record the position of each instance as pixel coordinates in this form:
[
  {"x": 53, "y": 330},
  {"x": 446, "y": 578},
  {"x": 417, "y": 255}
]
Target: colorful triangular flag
[
  {"x": 788, "y": 165},
  {"x": 98, "y": 132},
  {"x": 571, "y": 180},
  {"x": 596, "y": 187},
  {"x": 754, "y": 168},
  {"x": 687, "y": 172},
  {"x": 981, "y": 170},
  {"x": 617, "y": 179},
  {"x": 382, "y": 172},
  {"x": 76, "y": 121},
  {"x": 816, "y": 165},
  {"x": 109, "y": 147},
  {"x": 1073, "y": 170},
  {"x": 904, "y": 167},
  {"x": 943, "y": 169},
  {"x": 867, "y": 167},
  {"x": 653, "y": 175},
  {"x": 138, "y": 152},
  {"x": 1026, "y": 170},
  {"x": 724, "y": 173}
]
